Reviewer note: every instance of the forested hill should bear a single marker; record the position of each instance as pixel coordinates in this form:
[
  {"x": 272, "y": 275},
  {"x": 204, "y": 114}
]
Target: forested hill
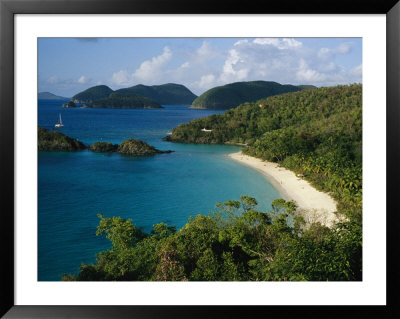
[
  {"x": 316, "y": 132},
  {"x": 126, "y": 101},
  {"x": 92, "y": 94},
  {"x": 252, "y": 120},
  {"x": 167, "y": 94},
  {"x": 231, "y": 95}
]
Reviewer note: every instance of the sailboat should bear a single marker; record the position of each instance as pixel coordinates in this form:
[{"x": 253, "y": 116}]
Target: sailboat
[{"x": 59, "y": 124}]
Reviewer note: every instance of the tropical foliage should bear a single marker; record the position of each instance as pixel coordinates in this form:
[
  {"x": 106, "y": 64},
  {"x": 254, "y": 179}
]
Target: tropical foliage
[
  {"x": 236, "y": 242},
  {"x": 135, "y": 147},
  {"x": 103, "y": 147},
  {"x": 57, "y": 141}
]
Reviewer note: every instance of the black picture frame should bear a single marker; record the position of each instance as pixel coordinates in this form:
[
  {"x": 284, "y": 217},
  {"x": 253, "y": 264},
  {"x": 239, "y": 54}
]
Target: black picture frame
[{"x": 8, "y": 8}]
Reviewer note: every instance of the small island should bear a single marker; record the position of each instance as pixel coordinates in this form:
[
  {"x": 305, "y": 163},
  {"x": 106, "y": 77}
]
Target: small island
[
  {"x": 103, "y": 147},
  {"x": 135, "y": 147},
  {"x": 135, "y": 97},
  {"x": 56, "y": 141},
  {"x": 70, "y": 104},
  {"x": 126, "y": 101}
]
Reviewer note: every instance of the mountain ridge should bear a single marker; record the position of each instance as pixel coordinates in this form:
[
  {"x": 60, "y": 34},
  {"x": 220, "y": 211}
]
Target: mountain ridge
[
  {"x": 167, "y": 94},
  {"x": 233, "y": 94},
  {"x": 50, "y": 96}
]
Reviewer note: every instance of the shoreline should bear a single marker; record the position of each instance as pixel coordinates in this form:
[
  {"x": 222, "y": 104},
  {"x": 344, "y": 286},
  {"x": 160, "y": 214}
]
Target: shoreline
[{"x": 314, "y": 205}]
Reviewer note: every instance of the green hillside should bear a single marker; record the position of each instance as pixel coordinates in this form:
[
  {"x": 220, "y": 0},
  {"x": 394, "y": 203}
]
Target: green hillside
[
  {"x": 167, "y": 94},
  {"x": 306, "y": 87},
  {"x": 317, "y": 133},
  {"x": 231, "y": 95},
  {"x": 125, "y": 101},
  {"x": 92, "y": 94}
]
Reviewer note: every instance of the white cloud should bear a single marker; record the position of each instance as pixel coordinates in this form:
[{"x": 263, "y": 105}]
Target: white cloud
[
  {"x": 150, "y": 70},
  {"x": 185, "y": 65},
  {"x": 283, "y": 60},
  {"x": 287, "y": 61},
  {"x": 204, "y": 53},
  {"x": 68, "y": 82},
  {"x": 233, "y": 69},
  {"x": 356, "y": 71},
  {"x": 283, "y": 44},
  {"x": 206, "y": 81},
  {"x": 194, "y": 71},
  {"x": 267, "y": 41},
  {"x": 290, "y": 43},
  {"x": 241, "y": 42},
  {"x": 307, "y": 75},
  {"x": 121, "y": 77},
  {"x": 228, "y": 68},
  {"x": 82, "y": 80},
  {"x": 343, "y": 48},
  {"x": 52, "y": 80}
]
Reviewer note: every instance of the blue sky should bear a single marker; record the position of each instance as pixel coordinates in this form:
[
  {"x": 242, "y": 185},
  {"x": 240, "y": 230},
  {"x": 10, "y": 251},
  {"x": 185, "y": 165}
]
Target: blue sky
[{"x": 67, "y": 66}]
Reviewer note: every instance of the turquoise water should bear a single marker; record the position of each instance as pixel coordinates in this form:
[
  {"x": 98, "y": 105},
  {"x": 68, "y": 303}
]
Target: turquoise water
[{"x": 73, "y": 187}]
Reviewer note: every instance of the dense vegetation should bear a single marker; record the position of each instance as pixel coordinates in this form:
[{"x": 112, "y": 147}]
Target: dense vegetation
[
  {"x": 138, "y": 96},
  {"x": 125, "y": 101},
  {"x": 135, "y": 147},
  {"x": 306, "y": 87},
  {"x": 167, "y": 94},
  {"x": 317, "y": 133},
  {"x": 92, "y": 94},
  {"x": 56, "y": 141},
  {"x": 103, "y": 147},
  {"x": 231, "y": 95},
  {"x": 236, "y": 242}
]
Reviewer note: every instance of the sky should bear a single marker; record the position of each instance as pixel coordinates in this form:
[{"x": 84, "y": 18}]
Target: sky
[{"x": 67, "y": 66}]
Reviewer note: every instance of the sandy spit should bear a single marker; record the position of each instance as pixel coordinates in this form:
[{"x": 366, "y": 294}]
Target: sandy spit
[{"x": 314, "y": 206}]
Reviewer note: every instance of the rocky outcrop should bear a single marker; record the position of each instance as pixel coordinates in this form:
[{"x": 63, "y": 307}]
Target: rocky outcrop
[
  {"x": 103, "y": 147},
  {"x": 56, "y": 141},
  {"x": 135, "y": 147},
  {"x": 70, "y": 104}
]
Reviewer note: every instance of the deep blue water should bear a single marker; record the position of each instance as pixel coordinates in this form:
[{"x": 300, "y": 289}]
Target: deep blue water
[{"x": 76, "y": 186}]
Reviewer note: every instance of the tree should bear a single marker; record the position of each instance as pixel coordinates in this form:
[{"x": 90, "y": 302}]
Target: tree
[{"x": 121, "y": 232}]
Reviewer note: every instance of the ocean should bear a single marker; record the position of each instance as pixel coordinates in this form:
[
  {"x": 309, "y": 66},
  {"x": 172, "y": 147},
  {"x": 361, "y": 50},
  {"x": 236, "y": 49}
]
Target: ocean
[{"x": 73, "y": 187}]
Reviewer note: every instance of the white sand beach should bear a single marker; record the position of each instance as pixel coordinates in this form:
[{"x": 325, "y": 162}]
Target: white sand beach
[{"x": 313, "y": 204}]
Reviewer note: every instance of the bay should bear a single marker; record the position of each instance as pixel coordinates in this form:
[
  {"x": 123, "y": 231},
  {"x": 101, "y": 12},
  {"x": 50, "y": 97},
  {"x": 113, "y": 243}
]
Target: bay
[{"x": 73, "y": 187}]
